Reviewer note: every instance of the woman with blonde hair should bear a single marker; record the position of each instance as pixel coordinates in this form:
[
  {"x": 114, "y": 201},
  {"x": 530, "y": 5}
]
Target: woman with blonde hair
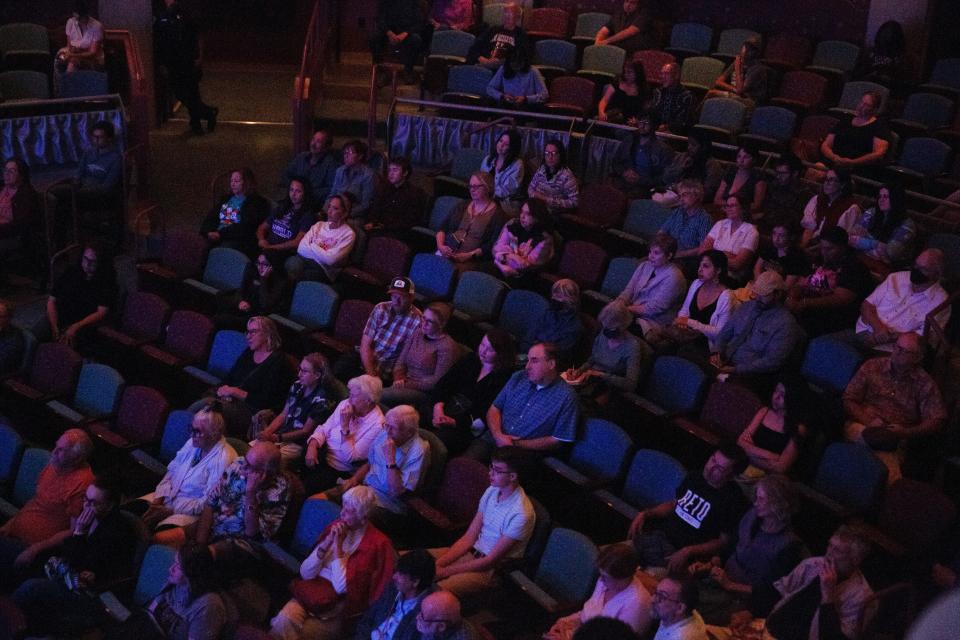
[
  {"x": 560, "y": 322},
  {"x": 468, "y": 235}
]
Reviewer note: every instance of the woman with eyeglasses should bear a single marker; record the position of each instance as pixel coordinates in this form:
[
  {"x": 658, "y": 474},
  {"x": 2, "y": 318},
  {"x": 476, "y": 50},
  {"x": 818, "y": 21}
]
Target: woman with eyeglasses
[
  {"x": 309, "y": 402},
  {"x": 426, "y": 357},
  {"x": 468, "y": 235},
  {"x": 734, "y": 236},
  {"x": 554, "y": 183},
  {"x": 268, "y": 291},
  {"x": 619, "y": 594},
  {"x": 828, "y": 207}
]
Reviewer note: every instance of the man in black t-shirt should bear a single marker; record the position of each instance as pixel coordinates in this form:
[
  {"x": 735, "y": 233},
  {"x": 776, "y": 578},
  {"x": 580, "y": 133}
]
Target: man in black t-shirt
[
  {"x": 495, "y": 44},
  {"x": 81, "y": 298},
  {"x": 700, "y": 521}
]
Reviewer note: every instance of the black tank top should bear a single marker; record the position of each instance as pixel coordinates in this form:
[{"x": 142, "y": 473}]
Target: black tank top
[{"x": 702, "y": 315}]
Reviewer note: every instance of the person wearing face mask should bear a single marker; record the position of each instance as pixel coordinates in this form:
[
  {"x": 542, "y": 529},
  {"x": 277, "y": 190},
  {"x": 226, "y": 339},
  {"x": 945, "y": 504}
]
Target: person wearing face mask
[
  {"x": 901, "y": 302},
  {"x": 560, "y": 323},
  {"x": 656, "y": 288},
  {"x": 894, "y": 406},
  {"x": 616, "y": 359}
]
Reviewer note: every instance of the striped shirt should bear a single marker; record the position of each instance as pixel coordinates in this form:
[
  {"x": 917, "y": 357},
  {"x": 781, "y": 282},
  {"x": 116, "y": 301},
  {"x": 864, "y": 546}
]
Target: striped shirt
[{"x": 513, "y": 517}]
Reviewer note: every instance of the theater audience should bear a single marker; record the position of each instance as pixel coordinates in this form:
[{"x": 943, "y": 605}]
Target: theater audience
[
  {"x": 324, "y": 250},
  {"x": 347, "y": 570},
  {"x": 347, "y": 434},
  {"x": 535, "y": 411},
  {"x": 317, "y": 165},
  {"x": 655, "y": 289},
  {"x": 641, "y": 159},
  {"x": 624, "y": 98},
  {"x": 829, "y": 299},
  {"x": 463, "y": 396},
  {"x": 234, "y": 222},
  {"x": 862, "y": 142},
  {"x": 699, "y": 523},
  {"x": 885, "y": 231},
  {"x": 495, "y": 43},
  {"x": 399, "y": 205},
  {"x": 516, "y": 84},
  {"x": 783, "y": 255},
  {"x": 773, "y": 439},
  {"x": 469, "y": 232},
  {"x": 280, "y": 234},
  {"x": 426, "y": 357},
  {"x": 394, "y": 614},
  {"x": 828, "y": 207},
  {"x": 506, "y": 166},
  {"x": 554, "y": 182},
  {"x": 745, "y": 180},
  {"x": 735, "y": 236},
  {"x": 357, "y": 178},
  {"x": 631, "y": 28},
  {"x": 498, "y": 532},
  {"x": 672, "y": 102},
  {"x": 80, "y": 299},
  {"x": 525, "y": 244},
  {"x": 619, "y": 594},
  {"x": 560, "y": 323},
  {"x": 894, "y": 406},
  {"x": 901, "y": 303},
  {"x": 616, "y": 358}
]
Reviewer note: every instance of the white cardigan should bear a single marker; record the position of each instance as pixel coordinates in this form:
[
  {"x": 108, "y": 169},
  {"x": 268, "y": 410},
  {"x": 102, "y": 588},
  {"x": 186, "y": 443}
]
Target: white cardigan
[
  {"x": 725, "y": 306},
  {"x": 185, "y": 486}
]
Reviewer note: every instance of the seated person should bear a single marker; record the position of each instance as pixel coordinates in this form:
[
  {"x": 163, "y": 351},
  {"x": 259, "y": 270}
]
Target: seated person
[
  {"x": 760, "y": 335},
  {"x": 426, "y": 357},
  {"x": 399, "y": 29},
  {"x": 325, "y": 249},
  {"x": 243, "y": 511},
  {"x": 689, "y": 224},
  {"x": 19, "y": 207},
  {"x": 560, "y": 323},
  {"x": 703, "y": 314},
  {"x": 656, "y": 287},
  {"x": 901, "y": 302},
  {"x": 536, "y": 410},
  {"x": 625, "y": 97},
  {"x": 451, "y": 14},
  {"x": 695, "y": 165},
  {"x": 189, "y": 606},
  {"x": 495, "y": 44},
  {"x": 823, "y": 597},
  {"x": 44, "y": 522},
  {"x": 554, "y": 182},
  {"x": 498, "y": 532},
  {"x": 317, "y": 165},
  {"x": 786, "y": 196},
  {"x": 399, "y": 205},
  {"x": 258, "y": 380},
  {"x": 619, "y": 594},
  {"x": 356, "y": 177},
  {"x": 347, "y": 433},
  {"x": 767, "y": 549},
  {"x": 398, "y": 461},
  {"x": 463, "y": 396},
  {"x": 631, "y": 28},
  {"x": 310, "y": 401},
  {"x": 347, "y": 570},
  {"x": 192, "y": 474},
  {"x": 395, "y": 613},
  {"x": 268, "y": 291},
  {"x": 884, "y": 232},
  {"x": 81, "y": 298},
  {"x": 98, "y": 552},
  {"x": 441, "y": 619},
  {"x": 746, "y": 79},
  {"x": 699, "y": 522},
  {"x": 525, "y": 244},
  {"x": 641, "y": 159},
  {"x": 774, "y": 437},
  {"x": 734, "y": 236},
  {"x": 829, "y": 299},
  {"x": 468, "y": 235},
  {"x": 894, "y": 406},
  {"x": 506, "y": 166},
  {"x": 675, "y": 603},
  {"x": 12, "y": 341},
  {"x": 862, "y": 142},
  {"x": 280, "y": 234},
  {"x": 827, "y": 208},
  {"x": 518, "y": 85},
  {"x": 234, "y": 222},
  {"x": 84, "y": 48},
  {"x": 673, "y": 102},
  {"x": 745, "y": 180},
  {"x": 616, "y": 359},
  {"x": 783, "y": 255}
]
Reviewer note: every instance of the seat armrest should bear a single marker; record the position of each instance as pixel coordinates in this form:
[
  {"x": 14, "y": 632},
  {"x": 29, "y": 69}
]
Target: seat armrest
[
  {"x": 617, "y": 504},
  {"x": 543, "y": 599},
  {"x": 205, "y": 288},
  {"x": 646, "y": 405},
  {"x": 566, "y": 471},
  {"x": 282, "y": 557},
  {"x": 296, "y": 327},
  {"x": 434, "y": 516},
  {"x": 203, "y": 376},
  {"x": 148, "y": 462}
]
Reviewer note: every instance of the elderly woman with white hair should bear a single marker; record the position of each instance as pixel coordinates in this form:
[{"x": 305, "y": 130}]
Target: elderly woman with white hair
[
  {"x": 347, "y": 435},
  {"x": 345, "y": 573}
]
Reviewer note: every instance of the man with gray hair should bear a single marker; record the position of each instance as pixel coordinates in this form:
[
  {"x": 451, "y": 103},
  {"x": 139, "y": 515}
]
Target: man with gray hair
[
  {"x": 44, "y": 522},
  {"x": 398, "y": 460}
]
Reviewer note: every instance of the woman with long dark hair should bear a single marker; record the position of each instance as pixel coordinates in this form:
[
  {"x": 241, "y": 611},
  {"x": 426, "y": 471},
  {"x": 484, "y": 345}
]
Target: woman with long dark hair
[
  {"x": 189, "y": 607},
  {"x": 885, "y": 231},
  {"x": 506, "y": 167},
  {"x": 773, "y": 438},
  {"x": 525, "y": 244},
  {"x": 554, "y": 182},
  {"x": 516, "y": 84},
  {"x": 280, "y": 234},
  {"x": 625, "y": 97}
]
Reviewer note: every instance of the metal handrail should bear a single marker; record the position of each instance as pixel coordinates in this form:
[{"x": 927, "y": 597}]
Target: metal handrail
[{"x": 308, "y": 83}]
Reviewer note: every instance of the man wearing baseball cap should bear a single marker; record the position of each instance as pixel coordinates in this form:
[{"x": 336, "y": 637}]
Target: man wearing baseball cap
[
  {"x": 388, "y": 328},
  {"x": 761, "y": 334}
]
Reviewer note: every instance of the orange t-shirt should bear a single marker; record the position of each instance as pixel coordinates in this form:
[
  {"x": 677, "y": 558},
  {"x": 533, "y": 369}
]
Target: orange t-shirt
[{"x": 58, "y": 498}]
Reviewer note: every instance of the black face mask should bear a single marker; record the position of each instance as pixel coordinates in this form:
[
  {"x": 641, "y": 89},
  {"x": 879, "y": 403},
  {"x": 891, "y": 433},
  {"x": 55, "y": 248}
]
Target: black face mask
[
  {"x": 611, "y": 333},
  {"x": 918, "y": 277},
  {"x": 556, "y": 305}
]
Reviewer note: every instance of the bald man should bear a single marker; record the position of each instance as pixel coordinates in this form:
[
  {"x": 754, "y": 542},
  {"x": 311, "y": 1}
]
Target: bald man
[
  {"x": 44, "y": 522},
  {"x": 439, "y": 619}
]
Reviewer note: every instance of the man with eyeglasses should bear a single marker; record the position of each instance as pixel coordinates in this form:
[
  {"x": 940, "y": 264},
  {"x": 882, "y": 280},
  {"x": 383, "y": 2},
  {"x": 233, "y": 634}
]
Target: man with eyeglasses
[
  {"x": 439, "y": 619},
  {"x": 674, "y": 603},
  {"x": 499, "y": 531},
  {"x": 641, "y": 159},
  {"x": 895, "y": 407}
]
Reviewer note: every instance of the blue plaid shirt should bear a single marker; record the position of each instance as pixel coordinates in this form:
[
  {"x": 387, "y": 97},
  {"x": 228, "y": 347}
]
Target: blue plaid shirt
[
  {"x": 529, "y": 412},
  {"x": 689, "y": 230}
]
